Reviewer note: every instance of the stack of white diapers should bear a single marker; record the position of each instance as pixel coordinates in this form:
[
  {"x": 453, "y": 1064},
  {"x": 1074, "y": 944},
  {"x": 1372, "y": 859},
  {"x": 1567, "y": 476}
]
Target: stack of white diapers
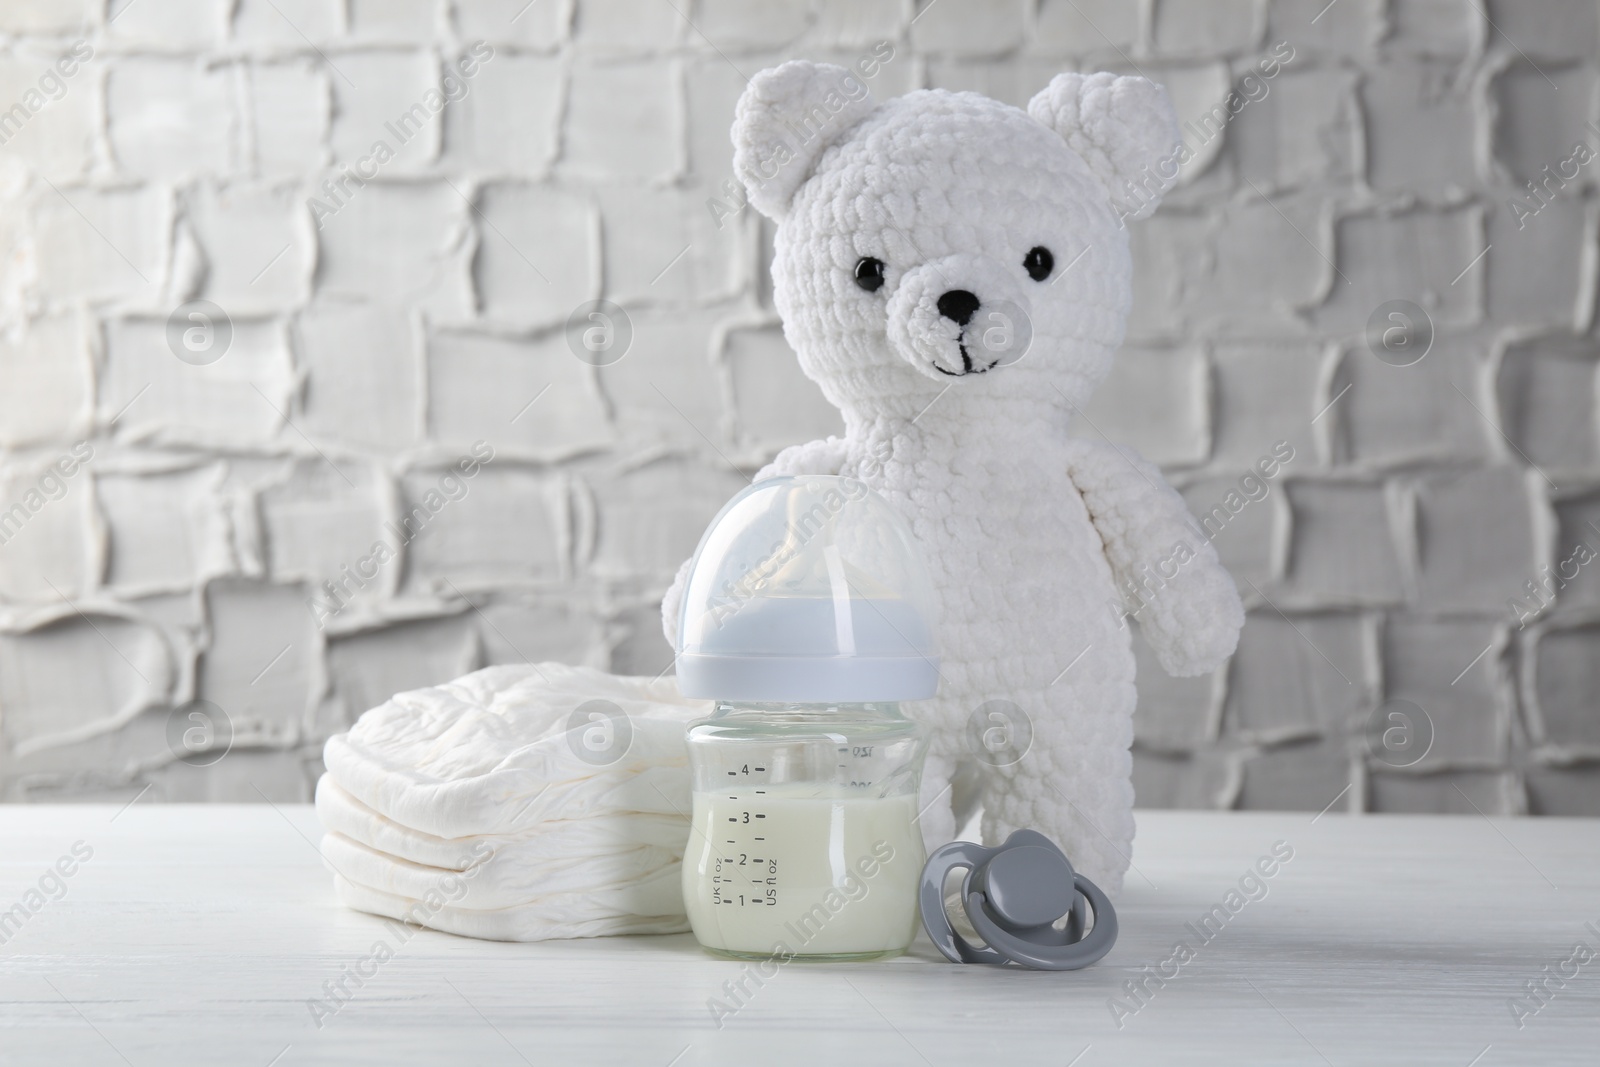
[{"x": 515, "y": 804}]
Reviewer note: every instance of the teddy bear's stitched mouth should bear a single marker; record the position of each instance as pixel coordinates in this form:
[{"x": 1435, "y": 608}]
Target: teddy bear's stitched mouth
[{"x": 966, "y": 363}]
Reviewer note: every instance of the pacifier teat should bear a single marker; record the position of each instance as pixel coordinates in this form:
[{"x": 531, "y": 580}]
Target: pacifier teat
[{"x": 1014, "y": 894}]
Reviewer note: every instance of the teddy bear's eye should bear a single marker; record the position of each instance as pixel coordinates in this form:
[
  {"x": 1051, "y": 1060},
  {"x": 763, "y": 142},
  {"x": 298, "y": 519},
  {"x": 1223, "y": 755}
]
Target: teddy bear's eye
[
  {"x": 1038, "y": 263},
  {"x": 869, "y": 273}
]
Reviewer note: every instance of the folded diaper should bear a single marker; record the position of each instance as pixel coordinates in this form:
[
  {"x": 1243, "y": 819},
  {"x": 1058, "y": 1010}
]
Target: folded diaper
[
  {"x": 492, "y": 753},
  {"x": 542, "y": 920},
  {"x": 549, "y": 846},
  {"x": 483, "y": 807}
]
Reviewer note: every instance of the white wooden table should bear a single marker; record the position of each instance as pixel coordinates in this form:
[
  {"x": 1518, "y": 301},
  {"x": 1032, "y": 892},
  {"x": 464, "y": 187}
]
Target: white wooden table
[{"x": 198, "y": 934}]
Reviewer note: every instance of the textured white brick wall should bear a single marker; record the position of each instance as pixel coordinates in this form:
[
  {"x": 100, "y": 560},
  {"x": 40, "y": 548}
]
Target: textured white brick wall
[{"x": 188, "y": 543}]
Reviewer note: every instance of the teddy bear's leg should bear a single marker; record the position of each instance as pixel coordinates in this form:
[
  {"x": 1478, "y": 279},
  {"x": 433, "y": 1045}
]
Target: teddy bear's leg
[
  {"x": 938, "y": 820},
  {"x": 1074, "y": 784}
]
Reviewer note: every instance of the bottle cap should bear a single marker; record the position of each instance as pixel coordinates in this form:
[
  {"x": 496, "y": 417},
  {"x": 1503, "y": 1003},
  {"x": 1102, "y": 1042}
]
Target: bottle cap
[{"x": 808, "y": 589}]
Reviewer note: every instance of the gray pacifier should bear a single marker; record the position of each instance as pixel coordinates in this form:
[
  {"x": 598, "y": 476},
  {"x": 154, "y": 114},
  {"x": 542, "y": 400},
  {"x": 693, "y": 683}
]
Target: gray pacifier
[{"x": 1014, "y": 894}]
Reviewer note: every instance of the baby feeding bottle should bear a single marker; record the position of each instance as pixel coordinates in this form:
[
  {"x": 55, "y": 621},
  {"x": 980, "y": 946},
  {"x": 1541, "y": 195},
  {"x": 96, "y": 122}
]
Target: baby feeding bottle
[{"x": 807, "y": 617}]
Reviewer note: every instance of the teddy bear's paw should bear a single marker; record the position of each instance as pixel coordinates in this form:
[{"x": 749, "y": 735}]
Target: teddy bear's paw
[
  {"x": 672, "y": 603},
  {"x": 824, "y": 456},
  {"x": 936, "y": 817},
  {"x": 1198, "y": 635}
]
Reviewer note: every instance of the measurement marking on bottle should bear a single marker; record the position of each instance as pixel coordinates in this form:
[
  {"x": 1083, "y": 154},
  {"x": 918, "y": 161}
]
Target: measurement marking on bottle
[{"x": 761, "y": 816}]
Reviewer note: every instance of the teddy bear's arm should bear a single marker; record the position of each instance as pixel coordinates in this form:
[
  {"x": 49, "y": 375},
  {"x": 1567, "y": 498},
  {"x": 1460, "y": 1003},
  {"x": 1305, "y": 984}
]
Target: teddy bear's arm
[
  {"x": 825, "y": 456},
  {"x": 814, "y": 457},
  {"x": 1185, "y": 600}
]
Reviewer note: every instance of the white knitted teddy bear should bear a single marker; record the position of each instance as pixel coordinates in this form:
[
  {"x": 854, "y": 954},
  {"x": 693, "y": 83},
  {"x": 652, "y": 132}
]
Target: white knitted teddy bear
[{"x": 901, "y": 227}]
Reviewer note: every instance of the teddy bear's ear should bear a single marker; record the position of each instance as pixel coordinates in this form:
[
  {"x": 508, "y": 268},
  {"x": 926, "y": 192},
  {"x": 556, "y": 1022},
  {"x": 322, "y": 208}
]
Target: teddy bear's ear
[
  {"x": 1123, "y": 127},
  {"x": 787, "y": 116}
]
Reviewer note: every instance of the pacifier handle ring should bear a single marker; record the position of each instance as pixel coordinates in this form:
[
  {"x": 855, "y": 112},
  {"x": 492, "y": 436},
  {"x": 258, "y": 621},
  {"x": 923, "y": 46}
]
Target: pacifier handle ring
[
  {"x": 1060, "y": 957},
  {"x": 1077, "y": 916},
  {"x": 930, "y": 899}
]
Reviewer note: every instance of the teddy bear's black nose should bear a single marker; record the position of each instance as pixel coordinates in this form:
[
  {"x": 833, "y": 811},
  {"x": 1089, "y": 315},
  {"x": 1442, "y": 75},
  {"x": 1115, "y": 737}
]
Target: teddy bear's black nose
[{"x": 958, "y": 305}]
